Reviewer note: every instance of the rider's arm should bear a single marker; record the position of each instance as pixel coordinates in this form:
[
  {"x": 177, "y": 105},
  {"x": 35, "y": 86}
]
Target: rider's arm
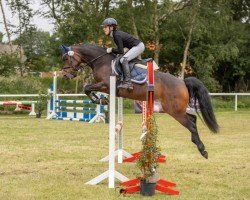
[{"x": 119, "y": 43}]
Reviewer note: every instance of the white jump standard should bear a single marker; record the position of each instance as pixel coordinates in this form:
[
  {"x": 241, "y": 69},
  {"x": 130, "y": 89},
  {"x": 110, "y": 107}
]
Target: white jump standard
[
  {"x": 120, "y": 153},
  {"x": 111, "y": 173},
  {"x": 81, "y": 110}
]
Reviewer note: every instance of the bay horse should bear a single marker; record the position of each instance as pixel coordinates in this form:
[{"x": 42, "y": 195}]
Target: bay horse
[{"x": 173, "y": 93}]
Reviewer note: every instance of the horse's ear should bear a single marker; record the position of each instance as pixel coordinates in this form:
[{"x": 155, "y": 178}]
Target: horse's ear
[{"x": 65, "y": 49}]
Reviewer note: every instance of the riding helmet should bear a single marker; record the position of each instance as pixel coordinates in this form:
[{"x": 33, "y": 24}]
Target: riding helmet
[{"x": 109, "y": 22}]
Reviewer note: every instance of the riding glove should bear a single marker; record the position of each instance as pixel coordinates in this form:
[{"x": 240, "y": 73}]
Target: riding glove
[{"x": 109, "y": 50}]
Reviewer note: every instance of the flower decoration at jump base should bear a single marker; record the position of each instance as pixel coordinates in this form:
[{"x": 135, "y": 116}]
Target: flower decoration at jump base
[{"x": 147, "y": 162}]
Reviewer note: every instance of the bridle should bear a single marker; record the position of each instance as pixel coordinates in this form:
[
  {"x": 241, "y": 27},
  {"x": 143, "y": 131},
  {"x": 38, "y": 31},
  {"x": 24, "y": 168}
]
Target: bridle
[{"x": 71, "y": 54}]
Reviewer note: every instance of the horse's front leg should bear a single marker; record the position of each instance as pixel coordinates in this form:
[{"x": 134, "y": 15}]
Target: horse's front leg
[{"x": 100, "y": 87}]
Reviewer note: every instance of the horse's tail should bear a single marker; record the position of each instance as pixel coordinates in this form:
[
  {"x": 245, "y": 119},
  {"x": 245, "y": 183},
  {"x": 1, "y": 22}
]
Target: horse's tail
[{"x": 197, "y": 91}]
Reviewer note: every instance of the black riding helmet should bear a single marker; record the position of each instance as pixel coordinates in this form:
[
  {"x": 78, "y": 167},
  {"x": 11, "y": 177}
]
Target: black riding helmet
[{"x": 109, "y": 22}]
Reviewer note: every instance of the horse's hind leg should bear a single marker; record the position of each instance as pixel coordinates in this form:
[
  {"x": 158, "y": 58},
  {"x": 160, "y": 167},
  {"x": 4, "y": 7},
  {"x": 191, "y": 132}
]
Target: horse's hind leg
[
  {"x": 195, "y": 136},
  {"x": 189, "y": 121}
]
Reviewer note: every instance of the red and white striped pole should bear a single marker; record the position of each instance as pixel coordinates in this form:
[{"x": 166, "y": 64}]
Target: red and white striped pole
[
  {"x": 148, "y": 106},
  {"x": 150, "y": 98}
]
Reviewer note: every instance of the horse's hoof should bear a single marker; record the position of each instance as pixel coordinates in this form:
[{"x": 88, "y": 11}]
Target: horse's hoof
[{"x": 205, "y": 154}]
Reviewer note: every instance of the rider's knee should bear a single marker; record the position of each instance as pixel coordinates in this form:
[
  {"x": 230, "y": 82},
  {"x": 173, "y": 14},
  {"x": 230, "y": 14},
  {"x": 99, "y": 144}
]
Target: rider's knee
[{"x": 123, "y": 60}]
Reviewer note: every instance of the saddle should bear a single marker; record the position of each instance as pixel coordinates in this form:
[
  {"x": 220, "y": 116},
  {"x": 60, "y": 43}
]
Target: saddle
[{"x": 138, "y": 69}]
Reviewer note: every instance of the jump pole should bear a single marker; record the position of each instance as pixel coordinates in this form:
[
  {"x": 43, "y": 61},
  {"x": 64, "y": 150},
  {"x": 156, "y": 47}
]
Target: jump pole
[
  {"x": 120, "y": 132},
  {"x": 111, "y": 173},
  {"x": 133, "y": 185},
  {"x": 120, "y": 153}
]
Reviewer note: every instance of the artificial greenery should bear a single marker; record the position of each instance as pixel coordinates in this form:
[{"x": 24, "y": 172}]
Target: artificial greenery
[{"x": 147, "y": 162}]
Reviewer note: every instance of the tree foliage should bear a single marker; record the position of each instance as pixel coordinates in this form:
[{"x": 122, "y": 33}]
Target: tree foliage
[
  {"x": 213, "y": 34},
  {"x": 8, "y": 62},
  {"x": 40, "y": 49}
]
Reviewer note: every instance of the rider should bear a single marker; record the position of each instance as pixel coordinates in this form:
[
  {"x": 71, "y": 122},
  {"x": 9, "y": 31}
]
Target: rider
[{"x": 122, "y": 40}]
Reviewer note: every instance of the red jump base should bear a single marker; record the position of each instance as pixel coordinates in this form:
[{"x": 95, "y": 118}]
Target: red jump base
[{"x": 133, "y": 186}]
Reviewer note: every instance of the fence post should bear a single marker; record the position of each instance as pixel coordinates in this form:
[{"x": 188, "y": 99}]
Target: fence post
[
  {"x": 32, "y": 112},
  {"x": 236, "y": 102}
]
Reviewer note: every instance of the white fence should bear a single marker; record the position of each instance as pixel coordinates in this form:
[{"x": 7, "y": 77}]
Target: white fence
[
  {"x": 211, "y": 94},
  {"x": 19, "y": 95},
  {"x": 231, "y": 94}
]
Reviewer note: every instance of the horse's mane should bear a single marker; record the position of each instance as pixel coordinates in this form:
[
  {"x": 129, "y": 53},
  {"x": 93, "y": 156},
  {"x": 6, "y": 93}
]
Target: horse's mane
[
  {"x": 91, "y": 46},
  {"x": 95, "y": 51}
]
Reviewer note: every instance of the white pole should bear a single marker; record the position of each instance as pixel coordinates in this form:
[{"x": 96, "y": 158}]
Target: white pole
[
  {"x": 236, "y": 102},
  {"x": 53, "y": 113},
  {"x": 112, "y": 132},
  {"x": 48, "y": 104},
  {"x": 19, "y": 95},
  {"x": 32, "y": 112},
  {"x": 111, "y": 174},
  {"x": 71, "y": 95},
  {"x": 120, "y": 153},
  {"x": 54, "y": 90},
  {"x": 120, "y": 133}
]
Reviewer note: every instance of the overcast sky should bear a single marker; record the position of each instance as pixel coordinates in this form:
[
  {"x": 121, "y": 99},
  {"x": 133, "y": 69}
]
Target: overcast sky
[{"x": 41, "y": 23}]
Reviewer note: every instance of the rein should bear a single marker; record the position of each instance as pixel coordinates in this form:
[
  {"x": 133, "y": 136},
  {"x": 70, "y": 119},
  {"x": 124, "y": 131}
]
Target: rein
[{"x": 96, "y": 59}]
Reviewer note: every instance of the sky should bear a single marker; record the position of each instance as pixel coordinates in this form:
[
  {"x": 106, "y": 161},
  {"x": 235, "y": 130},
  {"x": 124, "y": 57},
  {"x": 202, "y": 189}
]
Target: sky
[{"x": 41, "y": 23}]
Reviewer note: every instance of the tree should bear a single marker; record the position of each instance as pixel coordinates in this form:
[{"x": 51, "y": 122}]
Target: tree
[
  {"x": 5, "y": 25},
  {"x": 55, "y": 9},
  {"x": 21, "y": 9},
  {"x": 217, "y": 43},
  {"x": 41, "y": 50},
  {"x": 8, "y": 63},
  {"x": 211, "y": 38},
  {"x": 161, "y": 11},
  {"x": 1, "y": 37}
]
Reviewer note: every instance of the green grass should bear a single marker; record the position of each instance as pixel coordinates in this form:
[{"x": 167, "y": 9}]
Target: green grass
[{"x": 49, "y": 159}]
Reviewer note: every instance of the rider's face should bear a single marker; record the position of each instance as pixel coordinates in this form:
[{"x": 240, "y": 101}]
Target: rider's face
[{"x": 106, "y": 30}]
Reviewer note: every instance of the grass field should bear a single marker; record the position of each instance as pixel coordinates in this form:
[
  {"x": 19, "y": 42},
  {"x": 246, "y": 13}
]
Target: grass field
[{"x": 48, "y": 159}]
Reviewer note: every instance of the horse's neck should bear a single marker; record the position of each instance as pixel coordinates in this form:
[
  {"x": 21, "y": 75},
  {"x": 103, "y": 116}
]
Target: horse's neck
[
  {"x": 101, "y": 66},
  {"x": 89, "y": 54}
]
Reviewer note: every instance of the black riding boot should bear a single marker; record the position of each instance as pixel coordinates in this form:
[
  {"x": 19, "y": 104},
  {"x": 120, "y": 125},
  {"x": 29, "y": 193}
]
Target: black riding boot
[{"x": 126, "y": 84}]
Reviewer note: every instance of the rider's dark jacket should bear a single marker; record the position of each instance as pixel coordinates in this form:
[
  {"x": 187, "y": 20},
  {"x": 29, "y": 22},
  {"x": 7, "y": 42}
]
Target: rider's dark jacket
[{"x": 122, "y": 40}]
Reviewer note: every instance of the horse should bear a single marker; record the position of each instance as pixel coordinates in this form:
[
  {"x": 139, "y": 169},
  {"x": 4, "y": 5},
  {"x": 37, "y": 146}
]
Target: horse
[{"x": 173, "y": 93}]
